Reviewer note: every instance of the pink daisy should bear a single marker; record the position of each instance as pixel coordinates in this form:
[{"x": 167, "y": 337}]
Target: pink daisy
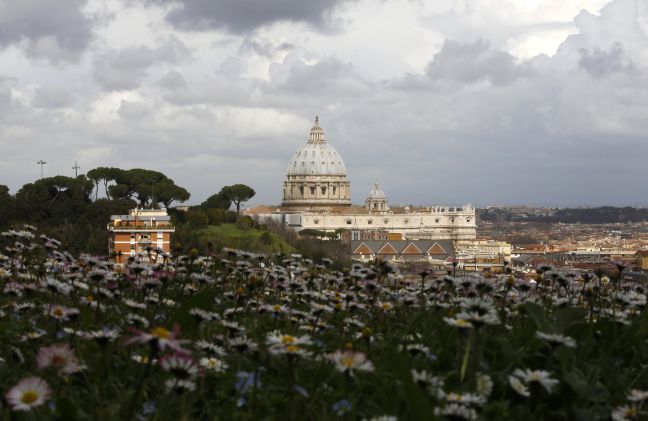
[{"x": 60, "y": 357}]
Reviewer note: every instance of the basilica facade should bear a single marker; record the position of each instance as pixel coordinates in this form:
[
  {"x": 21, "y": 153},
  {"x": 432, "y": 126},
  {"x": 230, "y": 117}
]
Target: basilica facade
[{"x": 317, "y": 195}]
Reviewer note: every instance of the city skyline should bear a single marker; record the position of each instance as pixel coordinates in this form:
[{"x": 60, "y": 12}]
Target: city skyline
[{"x": 483, "y": 102}]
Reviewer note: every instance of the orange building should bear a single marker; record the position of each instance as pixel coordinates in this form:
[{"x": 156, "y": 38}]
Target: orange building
[{"x": 141, "y": 231}]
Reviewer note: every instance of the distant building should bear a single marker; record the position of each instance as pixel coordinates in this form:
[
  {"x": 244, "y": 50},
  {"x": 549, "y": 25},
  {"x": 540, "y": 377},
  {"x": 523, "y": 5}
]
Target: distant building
[
  {"x": 141, "y": 231},
  {"x": 317, "y": 195},
  {"x": 439, "y": 252}
]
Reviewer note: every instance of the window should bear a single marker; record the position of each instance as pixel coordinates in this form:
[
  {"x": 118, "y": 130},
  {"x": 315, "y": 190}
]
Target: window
[
  {"x": 132, "y": 246},
  {"x": 323, "y": 190},
  {"x": 312, "y": 189},
  {"x": 369, "y": 221},
  {"x": 437, "y": 220},
  {"x": 334, "y": 190},
  {"x": 386, "y": 220},
  {"x": 301, "y": 190},
  {"x": 468, "y": 219},
  {"x": 348, "y": 221},
  {"x": 316, "y": 221}
]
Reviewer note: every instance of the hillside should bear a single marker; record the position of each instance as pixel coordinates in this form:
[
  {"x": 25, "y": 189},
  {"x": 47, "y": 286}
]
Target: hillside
[{"x": 230, "y": 235}]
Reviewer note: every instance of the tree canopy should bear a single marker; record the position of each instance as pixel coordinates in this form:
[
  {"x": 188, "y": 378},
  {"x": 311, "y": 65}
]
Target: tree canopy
[
  {"x": 218, "y": 201},
  {"x": 238, "y": 194}
]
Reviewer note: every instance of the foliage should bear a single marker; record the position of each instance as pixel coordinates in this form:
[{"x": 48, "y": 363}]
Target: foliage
[
  {"x": 236, "y": 335},
  {"x": 237, "y": 194},
  {"x": 217, "y": 201}
]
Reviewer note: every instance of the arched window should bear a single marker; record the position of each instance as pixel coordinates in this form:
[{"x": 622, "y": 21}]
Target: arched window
[
  {"x": 323, "y": 190},
  {"x": 312, "y": 189}
]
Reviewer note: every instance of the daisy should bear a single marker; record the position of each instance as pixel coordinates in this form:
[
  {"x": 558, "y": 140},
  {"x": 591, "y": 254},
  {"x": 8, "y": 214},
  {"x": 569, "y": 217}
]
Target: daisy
[
  {"x": 213, "y": 364},
  {"x": 180, "y": 365},
  {"x": 160, "y": 338},
  {"x": 28, "y": 393},
  {"x": 555, "y": 339},
  {"x": 624, "y": 413},
  {"x": 60, "y": 357},
  {"x": 179, "y": 386},
  {"x": 349, "y": 361},
  {"x": 636, "y": 395},
  {"x": 540, "y": 377},
  {"x": 243, "y": 344},
  {"x": 456, "y": 411}
]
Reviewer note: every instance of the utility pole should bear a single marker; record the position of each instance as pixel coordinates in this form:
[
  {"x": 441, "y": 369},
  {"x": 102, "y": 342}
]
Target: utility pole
[
  {"x": 41, "y": 163},
  {"x": 76, "y": 169}
]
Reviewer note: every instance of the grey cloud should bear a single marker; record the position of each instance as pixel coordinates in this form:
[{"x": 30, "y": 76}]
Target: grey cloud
[
  {"x": 125, "y": 69},
  {"x": 53, "y": 29},
  {"x": 473, "y": 62},
  {"x": 172, "y": 80},
  {"x": 50, "y": 96},
  {"x": 241, "y": 16},
  {"x": 600, "y": 63}
]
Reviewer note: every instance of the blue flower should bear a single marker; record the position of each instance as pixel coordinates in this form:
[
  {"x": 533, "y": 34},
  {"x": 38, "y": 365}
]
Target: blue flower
[{"x": 341, "y": 407}]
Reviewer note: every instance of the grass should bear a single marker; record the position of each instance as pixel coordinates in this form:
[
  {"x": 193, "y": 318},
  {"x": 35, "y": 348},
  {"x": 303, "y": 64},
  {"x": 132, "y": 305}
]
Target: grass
[{"x": 232, "y": 236}]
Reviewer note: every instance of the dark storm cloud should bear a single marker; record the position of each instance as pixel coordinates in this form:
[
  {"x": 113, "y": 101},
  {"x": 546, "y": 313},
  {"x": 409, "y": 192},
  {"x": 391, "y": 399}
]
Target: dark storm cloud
[
  {"x": 240, "y": 16},
  {"x": 54, "y": 29},
  {"x": 600, "y": 63},
  {"x": 125, "y": 69},
  {"x": 473, "y": 62}
]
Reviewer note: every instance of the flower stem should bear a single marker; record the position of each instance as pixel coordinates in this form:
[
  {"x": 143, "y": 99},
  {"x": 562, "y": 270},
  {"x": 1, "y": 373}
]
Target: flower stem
[{"x": 464, "y": 363}]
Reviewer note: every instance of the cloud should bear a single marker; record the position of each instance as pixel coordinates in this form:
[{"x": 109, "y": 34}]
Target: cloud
[
  {"x": 124, "y": 69},
  {"x": 474, "y": 62},
  {"x": 600, "y": 63},
  {"x": 51, "y": 96},
  {"x": 56, "y": 30},
  {"x": 240, "y": 16}
]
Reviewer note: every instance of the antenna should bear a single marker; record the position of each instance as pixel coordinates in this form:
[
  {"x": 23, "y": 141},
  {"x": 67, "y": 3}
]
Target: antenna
[
  {"x": 76, "y": 169},
  {"x": 41, "y": 163}
]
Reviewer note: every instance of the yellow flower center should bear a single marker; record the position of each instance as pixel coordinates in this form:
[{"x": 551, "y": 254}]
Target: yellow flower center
[
  {"x": 347, "y": 361},
  {"x": 386, "y": 306},
  {"x": 287, "y": 340},
  {"x": 631, "y": 413},
  {"x": 58, "y": 311},
  {"x": 29, "y": 396},
  {"x": 90, "y": 298},
  {"x": 160, "y": 332},
  {"x": 292, "y": 348},
  {"x": 276, "y": 308}
]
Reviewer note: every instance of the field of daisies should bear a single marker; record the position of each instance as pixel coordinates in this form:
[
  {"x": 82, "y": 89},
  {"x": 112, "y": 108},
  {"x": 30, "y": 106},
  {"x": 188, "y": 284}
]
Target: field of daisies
[{"x": 236, "y": 335}]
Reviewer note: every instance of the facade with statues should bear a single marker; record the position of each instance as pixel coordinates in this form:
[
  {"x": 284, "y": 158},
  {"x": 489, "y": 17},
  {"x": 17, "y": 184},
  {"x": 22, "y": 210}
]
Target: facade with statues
[{"x": 317, "y": 195}]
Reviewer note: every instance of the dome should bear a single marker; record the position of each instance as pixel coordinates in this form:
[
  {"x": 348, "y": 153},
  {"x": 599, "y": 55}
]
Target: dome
[
  {"x": 317, "y": 157},
  {"x": 376, "y": 192}
]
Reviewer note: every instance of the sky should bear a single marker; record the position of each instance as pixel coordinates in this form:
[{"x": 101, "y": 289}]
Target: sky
[{"x": 540, "y": 102}]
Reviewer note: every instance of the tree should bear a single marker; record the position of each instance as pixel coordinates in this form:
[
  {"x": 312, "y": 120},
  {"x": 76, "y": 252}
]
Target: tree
[
  {"x": 238, "y": 193},
  {"x": 197, "y": 218},
  {"x": 218, "y": 201},
  {"x": 167, "y": 192},
  {"x": 105, "y": 174},
  {"x": 6, "y": 206}
]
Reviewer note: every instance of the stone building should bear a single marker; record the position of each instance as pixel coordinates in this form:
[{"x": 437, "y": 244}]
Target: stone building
[{"x": 317, "y": 195}]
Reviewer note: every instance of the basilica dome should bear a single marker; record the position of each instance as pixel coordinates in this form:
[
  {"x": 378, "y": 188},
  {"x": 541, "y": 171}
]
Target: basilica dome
[
  {"x": 317, "y": 177},
  {"x": 317, "y": 157}
]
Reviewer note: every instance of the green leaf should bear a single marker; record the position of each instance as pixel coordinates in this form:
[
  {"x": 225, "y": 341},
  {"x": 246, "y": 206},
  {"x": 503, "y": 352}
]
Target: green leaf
[{"x": 538, "y": 314}]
